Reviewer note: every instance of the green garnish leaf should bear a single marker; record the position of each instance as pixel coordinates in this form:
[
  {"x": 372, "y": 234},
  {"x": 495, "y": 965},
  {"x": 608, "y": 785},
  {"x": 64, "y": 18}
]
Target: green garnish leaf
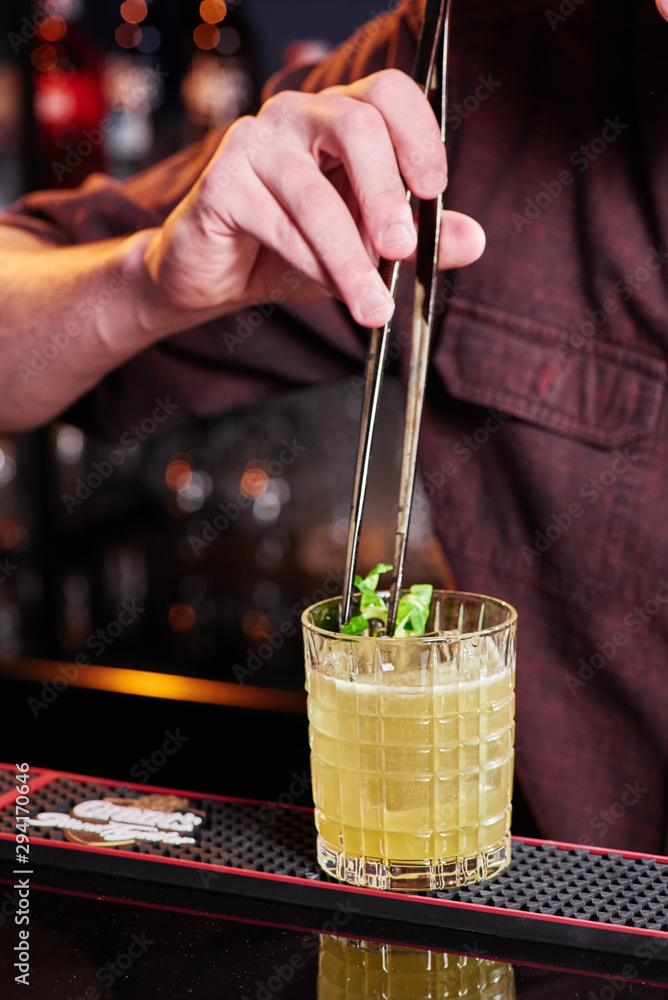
[
  {"x": 364, "y": 587},
  {"x": 422, "y": 592},
  {"x": 370, "y": 581},
  {"x": 412, "y": 613},
  {"x": 372, "y": 604},
  {"x": 355, "y": 626},
  {"x": 380, "y": 568}
]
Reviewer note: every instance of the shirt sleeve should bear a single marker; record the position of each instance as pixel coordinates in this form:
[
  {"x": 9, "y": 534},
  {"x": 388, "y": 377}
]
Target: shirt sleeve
[{"x": 245, "y": 357}]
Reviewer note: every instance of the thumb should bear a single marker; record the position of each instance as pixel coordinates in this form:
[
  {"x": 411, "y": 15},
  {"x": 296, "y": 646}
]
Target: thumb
[{"x": 662, "y": 6}]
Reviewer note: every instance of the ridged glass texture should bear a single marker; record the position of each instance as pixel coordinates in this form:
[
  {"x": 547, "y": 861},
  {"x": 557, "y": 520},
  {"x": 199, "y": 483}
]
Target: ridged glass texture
[
  {"x": 367, "y": 970},
  {"x": 412, "y": 745}
]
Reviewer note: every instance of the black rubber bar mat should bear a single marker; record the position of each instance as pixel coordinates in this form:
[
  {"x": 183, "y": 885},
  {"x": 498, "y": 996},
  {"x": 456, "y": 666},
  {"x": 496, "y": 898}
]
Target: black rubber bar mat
[{"x": 557, "y": 894}]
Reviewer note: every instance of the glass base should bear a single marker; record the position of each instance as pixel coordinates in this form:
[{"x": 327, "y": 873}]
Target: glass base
[{"x": 414, "y": 876}]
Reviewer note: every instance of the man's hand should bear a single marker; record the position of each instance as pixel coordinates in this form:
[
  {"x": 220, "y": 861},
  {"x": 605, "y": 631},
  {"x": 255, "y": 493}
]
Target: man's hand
[
  {"x": 296, "y": 204},
  {"x": 305, "y": 198}
]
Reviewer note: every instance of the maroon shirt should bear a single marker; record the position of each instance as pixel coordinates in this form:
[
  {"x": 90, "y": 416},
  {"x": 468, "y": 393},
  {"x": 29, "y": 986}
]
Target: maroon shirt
[{"x": 544, "y": 441}]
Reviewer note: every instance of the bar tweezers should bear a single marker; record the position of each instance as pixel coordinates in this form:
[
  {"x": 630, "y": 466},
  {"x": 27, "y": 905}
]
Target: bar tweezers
[{"x": 430, "y": 73}]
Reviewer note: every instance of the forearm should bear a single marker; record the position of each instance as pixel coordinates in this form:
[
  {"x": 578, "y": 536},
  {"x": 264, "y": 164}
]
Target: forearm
[{"x": 70, "y": 315}]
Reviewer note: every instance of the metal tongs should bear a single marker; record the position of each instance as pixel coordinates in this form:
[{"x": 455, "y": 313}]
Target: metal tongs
[{"x": 430, "y": 72}]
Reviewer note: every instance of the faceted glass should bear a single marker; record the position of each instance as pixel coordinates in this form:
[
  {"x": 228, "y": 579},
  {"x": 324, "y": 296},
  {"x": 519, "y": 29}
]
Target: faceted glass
[
  {"x": 368, "y": 970},
  {"x": 412, "y": 745}
]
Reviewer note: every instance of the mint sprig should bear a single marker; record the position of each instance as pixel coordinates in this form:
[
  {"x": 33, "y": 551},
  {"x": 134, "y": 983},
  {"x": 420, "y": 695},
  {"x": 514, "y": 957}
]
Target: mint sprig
[{"x": 412, "y": 612}]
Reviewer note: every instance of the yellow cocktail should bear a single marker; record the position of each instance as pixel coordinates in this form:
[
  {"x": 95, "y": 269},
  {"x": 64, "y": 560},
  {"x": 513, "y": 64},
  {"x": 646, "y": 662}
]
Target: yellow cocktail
[
  {"x": 412, "y": 748},
  {"x": 367, "y": 970}
]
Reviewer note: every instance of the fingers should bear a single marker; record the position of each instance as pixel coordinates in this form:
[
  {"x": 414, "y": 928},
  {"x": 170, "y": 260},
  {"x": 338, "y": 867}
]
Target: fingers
[
  {"x": 285, "y": 202},
  {"x": 356, "y": 134},
  {"x": 381, "y": 128},
  {"x": 317, "y": 179},
  {"x": 374, "y": 129},
  {"x": 328, "y": 227},
  {"x": 462, "y": 241},
  {"x": 218, "y": 242},
  {"x": 412, "y": 127}
]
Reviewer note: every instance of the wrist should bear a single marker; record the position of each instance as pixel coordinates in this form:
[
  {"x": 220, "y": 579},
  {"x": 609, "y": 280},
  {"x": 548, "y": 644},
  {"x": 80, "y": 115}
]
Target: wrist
[{"x": 152, "y": 311}]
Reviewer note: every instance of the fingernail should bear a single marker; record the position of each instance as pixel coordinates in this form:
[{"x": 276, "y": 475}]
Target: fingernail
[
  {"x": 435, "y": 180},
  {"x": 373, "y": 305},
  {"x": 398, "y": 235}
]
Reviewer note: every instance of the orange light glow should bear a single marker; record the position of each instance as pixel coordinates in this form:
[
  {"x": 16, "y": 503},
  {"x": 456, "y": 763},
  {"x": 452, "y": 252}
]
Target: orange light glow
[
  {"x": 212, "y": 11},
  {"x": 53, "y": 29},
  {"x": 44, "y": 58},
  {"x": 134, "y": 11},
  {"x": 256, "y": 626},
  {"x": 179, "y": 473},
  {"x": 128, "y": 35},
  {"x": 182, "y": 617},
  {"x": 149, "y": 684},
  {"x": 254, "y": 483},
  {"x": 206, "y": 36}
]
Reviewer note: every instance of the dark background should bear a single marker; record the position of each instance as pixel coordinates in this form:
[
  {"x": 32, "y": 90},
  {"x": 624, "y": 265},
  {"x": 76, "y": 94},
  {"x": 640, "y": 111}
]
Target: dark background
[
  {"x": 80, "y": 552},
  {"x": 75, "y": 556}
]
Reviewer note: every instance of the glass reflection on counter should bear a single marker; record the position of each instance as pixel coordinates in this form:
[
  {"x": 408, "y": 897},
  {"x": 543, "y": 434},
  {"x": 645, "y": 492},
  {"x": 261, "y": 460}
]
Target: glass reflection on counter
[{"x": 349, "y": 969}]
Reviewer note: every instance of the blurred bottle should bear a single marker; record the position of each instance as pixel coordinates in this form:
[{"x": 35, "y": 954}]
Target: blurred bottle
[
  {"x": 367, "y": 970},
  {"x": 219, "y": 85},
  {"x": 67, "y": 67}
]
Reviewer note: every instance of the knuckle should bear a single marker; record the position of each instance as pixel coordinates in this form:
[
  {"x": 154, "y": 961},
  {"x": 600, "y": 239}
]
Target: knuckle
[
  {"x": 241, "y": 131},
  {"x": 392, "y": 77},
  {"x": 314, "y": 197},
  {"x": 229, "y": 173},
  {"x": 284, "y": 99},
  {"x": 354, "y": 270},
  {"x": 287, "y": 237},
  {"x": 380, "y": 202},
  {"x": 388, "y": 82},
  {"x": 280, "y": 108},
  {"x": 361, "y": 117}
]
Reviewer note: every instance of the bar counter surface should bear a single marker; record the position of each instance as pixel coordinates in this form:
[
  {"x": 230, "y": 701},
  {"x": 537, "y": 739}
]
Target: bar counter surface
[
  {"x": 239, "y": 908},
  {"x": 91, "y": 946},
  {"x": 118, "y": 890}
]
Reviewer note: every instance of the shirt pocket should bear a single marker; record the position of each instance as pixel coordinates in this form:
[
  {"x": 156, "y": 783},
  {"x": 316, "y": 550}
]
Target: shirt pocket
[{"x": 544, "y": 451}]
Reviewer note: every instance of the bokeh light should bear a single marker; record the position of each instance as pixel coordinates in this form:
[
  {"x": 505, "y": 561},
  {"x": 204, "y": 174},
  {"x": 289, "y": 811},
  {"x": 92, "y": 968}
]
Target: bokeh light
[
  {"x": 13, "y": 535},
  {"x": 192, "y": 495},
  {"x": 230, "y": 41},
  {"x": 212, "y": 11},
  {"x": 267, "y": 506},
  {"x": 206, "y": 36},
  {"x": 151, "y": 40},
  {"x": 45, "y": 58},
  {"x": 182, "y": 617},
  {"x": 255, "y": 625},
  {"x": 179, "y": 473},
  {"x": 53, "y": 29},
  {"x": 134, "y": 11},
  {"x": 128, "y": 35},
  {"x": 70, "y": 443},
  {"x": 254, "y": 483}
]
